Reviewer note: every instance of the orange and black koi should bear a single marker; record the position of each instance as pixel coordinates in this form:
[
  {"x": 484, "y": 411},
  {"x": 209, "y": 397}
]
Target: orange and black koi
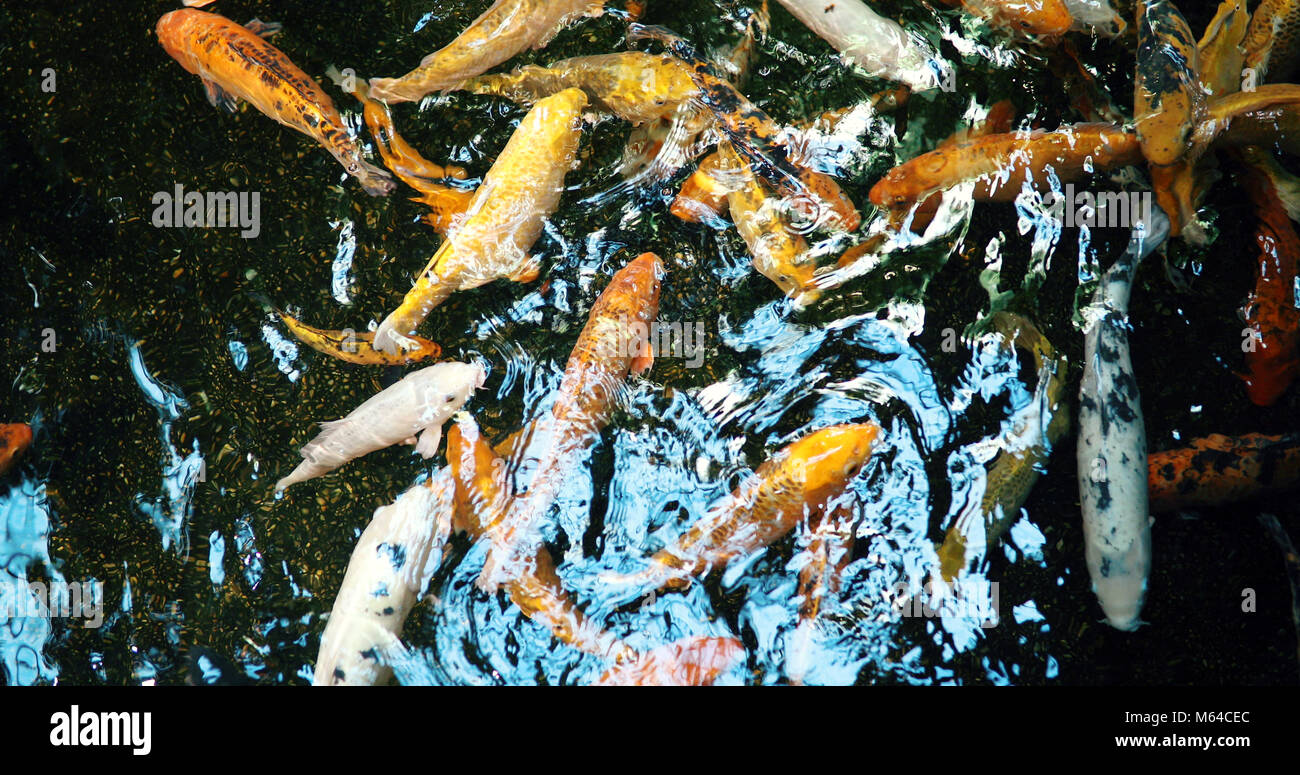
[{"x": 1219, "y": 469}]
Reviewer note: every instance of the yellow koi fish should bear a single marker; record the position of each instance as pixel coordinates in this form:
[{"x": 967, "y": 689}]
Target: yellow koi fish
[
  {"x": 505, "y": 29},
  {"x": 356, "y": 347},
  {"x": 238, "y": 63},
  {"x": 794, "y": 485},
  {"x": 1023, "y": 450},
  {"x": 504, "y": 219},
  {"x": 633, "y": 85},
  {"x": 613, "y": 344},
  {"x": 778, "y": 254}
]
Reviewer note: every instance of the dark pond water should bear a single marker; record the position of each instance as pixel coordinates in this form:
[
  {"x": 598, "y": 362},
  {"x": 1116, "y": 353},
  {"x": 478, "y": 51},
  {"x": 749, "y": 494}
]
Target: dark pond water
[{"x": 169, "y": 400}]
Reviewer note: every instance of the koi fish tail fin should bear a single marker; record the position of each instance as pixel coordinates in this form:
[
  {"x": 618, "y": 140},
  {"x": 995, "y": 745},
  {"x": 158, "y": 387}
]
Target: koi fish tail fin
[{"x": 306, "y": 470}]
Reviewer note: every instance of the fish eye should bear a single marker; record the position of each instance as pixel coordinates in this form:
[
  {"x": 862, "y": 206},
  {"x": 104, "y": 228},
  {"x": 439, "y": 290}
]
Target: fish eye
[{"x": 450, "y": 397}]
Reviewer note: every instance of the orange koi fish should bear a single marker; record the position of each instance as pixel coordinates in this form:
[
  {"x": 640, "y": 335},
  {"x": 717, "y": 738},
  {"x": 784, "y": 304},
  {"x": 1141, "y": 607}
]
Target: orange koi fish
[
  {"x": 1271, "y": 313},
  {"x": 1031, "y": 17},
  {"x": 612, "y": 345},
  {"x": 15, "y": 438},
  {"x": 794, "y": 485},
  {"x": 505, "y": 29},
  {"x": 504, "y": 218},
  {"x": 447, "y": 204},
  {"x": 1218, "y": 470},
  {"x": 999, "y": 119},
  {"x": 238, "y": 63},
  {"x": 696, "y": 661},
  {"x": 1003, "y": 162},
  {"x": 356, "y": 347}
]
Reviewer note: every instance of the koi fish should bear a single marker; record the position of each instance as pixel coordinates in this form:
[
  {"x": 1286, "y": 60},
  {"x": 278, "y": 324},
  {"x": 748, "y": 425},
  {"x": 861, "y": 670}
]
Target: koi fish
[
  {"x": 1023, "y": 451},
  {"x": 612, "y": 345},
  {"x": 1111, "y": 448},
  {"x": 778, "y": 254},
  {"x": 1031, "y": 17},
  {"x": 1259, "y": 115},
  {"x": 238, "y": 63},
  {"x": 418, "y": 404},
  {"x": 998, "y": 121},
  {"x": 15, "y": 438},
  {"x": 505, "y": 29},
  {"x": 1168, "y": 101},
  {"x": 633, "y": 85},
  {"x": 1001, "y": 163},
  {"x": 1218, "y": 470},
  {"x": 356, "y": 347},
  {"x": 1219, "y": 53},
  {"x": 447, "y": 204},
  {"x": 794, "y": 485},
  {"x": 1271, "y": 314},
  {"x": 878, "y": 45},
  {"x": 1180, "y": 187},
  {"x": 703, "y": 196},
  {"x": 482, "y": 496},
  {"x": 644, "y": 153},
  {"x": 755, "y": 135},
  {"x": 1273, "y": 39},
  {"x": 504, "y": 219},
  {"x": 694, "y": 661},
  {"x": 392, "y": 563}
]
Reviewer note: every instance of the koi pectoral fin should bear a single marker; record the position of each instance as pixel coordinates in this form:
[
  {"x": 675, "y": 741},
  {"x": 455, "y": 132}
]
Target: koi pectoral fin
[
  {"x": 429, "y": 440},
  {"x": 219, "y": 98}
]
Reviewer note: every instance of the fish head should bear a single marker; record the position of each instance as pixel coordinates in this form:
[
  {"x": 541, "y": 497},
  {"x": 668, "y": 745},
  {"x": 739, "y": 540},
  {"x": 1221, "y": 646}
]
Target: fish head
[
  {"x": 1036, "y": 17},
  {"x": 445, "y": 387},
  {"x": 906, "y": 184},
  {"x": 173, "y": 29},
  {"x": 826, "y": 460},
  {"x": 640, "y": 278}
]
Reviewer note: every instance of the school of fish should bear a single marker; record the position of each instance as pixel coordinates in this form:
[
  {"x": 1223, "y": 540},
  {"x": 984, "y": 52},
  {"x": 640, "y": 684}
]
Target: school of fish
[{"x": 1197, "y": 106}]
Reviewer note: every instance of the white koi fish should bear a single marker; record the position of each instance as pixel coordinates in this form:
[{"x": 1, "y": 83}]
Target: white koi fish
[
  {"x": 1112, "y": 446},
  {"x": 879, "y": 45},
  {"x": 419, "y": 404},
  {"x": 391, "y": 565}
]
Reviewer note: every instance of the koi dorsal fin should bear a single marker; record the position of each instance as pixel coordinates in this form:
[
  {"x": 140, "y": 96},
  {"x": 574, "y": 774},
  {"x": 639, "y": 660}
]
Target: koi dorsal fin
[{"x": 264, "y": 29}]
